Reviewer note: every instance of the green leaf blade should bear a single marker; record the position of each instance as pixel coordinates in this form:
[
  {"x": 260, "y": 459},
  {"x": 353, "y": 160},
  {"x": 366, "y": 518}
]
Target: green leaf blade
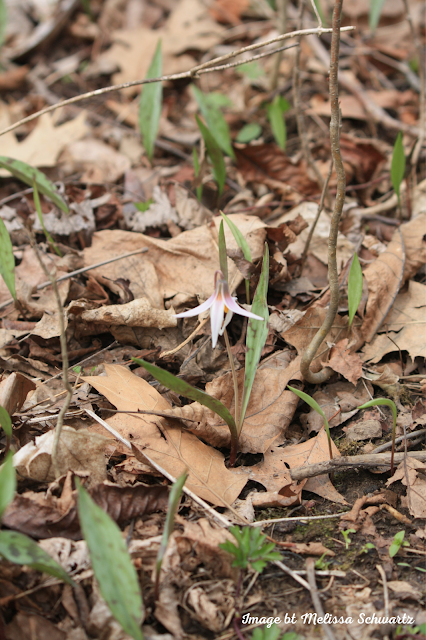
[
  {"x": 275, "y": 112},
  {"x": 7, "y": 260},
  {"x": 249, "y": 132},
  {"x": 375, "y": 11},
  {"x": 257, "y": 332},
  {"x": 112, "y": 565},
  {"x": 398, "y": 164},
  {"x": 26, "y": 173},
  {"x": 20, "y": 549},
  {"x": 7, "y": 483},
  {"x": 214, "y": 120},
  {"x": 223, "y": 258},
  {"x": 5, "y": 422},
  {"x": 215, "y": 153},
  {"x": 238, "y": 237},
  {"x": 355, "y": 282},
  {"x": 150, "y": 104}
]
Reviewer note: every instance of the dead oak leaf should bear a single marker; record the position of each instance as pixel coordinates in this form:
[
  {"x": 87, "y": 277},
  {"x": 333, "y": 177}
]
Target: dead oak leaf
[
  {"x": 343, "y": 361},
  {"x": 411, "y": 473}
]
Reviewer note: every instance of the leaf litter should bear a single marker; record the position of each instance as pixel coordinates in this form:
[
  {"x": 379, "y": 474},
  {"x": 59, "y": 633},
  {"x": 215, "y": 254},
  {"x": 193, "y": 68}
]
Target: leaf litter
[{"x": 120, "y": 203}]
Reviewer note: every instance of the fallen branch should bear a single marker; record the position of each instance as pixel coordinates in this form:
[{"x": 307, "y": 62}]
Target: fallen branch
[{"x": 367, "y": 461}]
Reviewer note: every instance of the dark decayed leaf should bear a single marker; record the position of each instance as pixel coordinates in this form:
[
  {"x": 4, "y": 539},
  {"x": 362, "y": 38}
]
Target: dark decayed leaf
[
  {"x": 27, "y": 174},
  {"x": 112, "y": 565}
]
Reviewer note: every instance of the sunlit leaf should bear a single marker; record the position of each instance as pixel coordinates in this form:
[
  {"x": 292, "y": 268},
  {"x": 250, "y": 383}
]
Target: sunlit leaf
[
  {"x": 150, "y": 104},
  {"x": 18, "y": 548},
  {"x": 215, "y": 153},
  {"x": 354, "y": 288},
  {"x": 257, "y": 332},
  {"x": 375, "y": 11},
  {"x": 210, "y": 108},
  {"x": 40, "y": 218},
  {"x": 223, "y": 259},
  {"x": 249, "y": 132},
  {"x": 174, "y": 499},
  {"x": 26, "y": 173},
  {"x": 275, "y": 111},
  {"x": 7, "y": 260},
  {"x": 112, "y": 565},
  {"x": 314, "y": 404},
  {"x": 184, "y": 389},
  {"x": 398, "y": 164},
  {"x": 7, "y": 482}
]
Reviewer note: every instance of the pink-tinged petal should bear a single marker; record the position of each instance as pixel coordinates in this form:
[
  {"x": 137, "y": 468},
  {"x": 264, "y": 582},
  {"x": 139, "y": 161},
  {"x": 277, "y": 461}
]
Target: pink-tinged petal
[
  {"x": 197, "y": 310},
  {"x": 235, "y": 307},
  {"x": 217, "y": 311}
]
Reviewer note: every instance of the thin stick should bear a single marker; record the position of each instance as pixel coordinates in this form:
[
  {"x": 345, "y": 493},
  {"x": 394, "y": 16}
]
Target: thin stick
[
  {"x": 310, "y": 571},
  {"x": 234, "y": 379},
  {"x": 282, "y": 24},
  {"x": 64, "y": 354},
  {"x": 264, "y": 523},
  {"x": 333, "y": 276},
  {"x": 67, "y": 276},
  {"x": 202, "y": 68},
  {"x": 385, "y": 587}
]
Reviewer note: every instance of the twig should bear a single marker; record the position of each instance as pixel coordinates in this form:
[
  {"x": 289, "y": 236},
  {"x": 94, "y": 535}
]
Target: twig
[
  {"x": 67, "y": 276},
  {"x": 194, "y": 72},
  {"x": 310, "y": 570},
  {"x": 333, "y": 276},
  {"x": 64, "y": 354},
  {"x": 317, "y": 217},
  {"x": 367, "y": 461},
  {"x": 385, "y": 588},
  {"x": 264, "y": 523},
  {"x": 282, "y": 24}
]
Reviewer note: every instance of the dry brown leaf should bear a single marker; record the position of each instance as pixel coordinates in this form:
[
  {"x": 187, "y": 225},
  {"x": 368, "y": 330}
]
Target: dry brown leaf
[
  {"x": 181, "y": 268},
  {"x": 26, "y": 625},
  {"x": 310, "y": 548},
  {"x": 412, "y": 474},
  {"x": 137, "y": 313},
  {"x": 343, "y": 361},
  {"x": 405, "y": 324},
  {"x": 14, "y": 390},
  {"x": 162, "y": 440},
  {"x": 352, "y": 108},
  {"x": 404, "y": 590},
  {"x": 98, "y": 161},
  {"x": 269, "y": 412},
  {"x": 229, "y": 11}
]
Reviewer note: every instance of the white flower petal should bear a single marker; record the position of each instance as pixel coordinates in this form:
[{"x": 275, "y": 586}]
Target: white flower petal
[{"x": 197, "y": 310}]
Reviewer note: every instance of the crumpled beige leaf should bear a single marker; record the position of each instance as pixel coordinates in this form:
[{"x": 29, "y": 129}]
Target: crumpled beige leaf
[
  {"x": 269, "y": 412},
  {"x": 415, "y": 500},
  {"x": 181, "y": 269},
  {"x": 404, "y": 590},
  {"x": 99, "y": 162},
  {"x": 405, "y": 324},
  {"x": 77, "y": 451},
  {"x": 14, "y": 390},
  {"x": 137, "y": 313},
  {"x": 173, "y": 449}
]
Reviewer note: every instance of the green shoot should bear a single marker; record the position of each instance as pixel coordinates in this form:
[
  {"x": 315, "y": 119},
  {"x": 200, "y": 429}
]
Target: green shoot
[
  {"x": 391, "y": 404},
  {"x": 243, "y": 244},
  {"x": 367, "y": 547},
  {"x": 7, "y": 483},
  {"x": 375, "y": 11},
  {"x": 26, "y": 173},
  {"x": 345, "y": 533},
  {"x": 199, "y": 189},
  {"x": 398, "y": 166},
  {"x": 251, "y": 549},
  {"x": 275, "y": 110},
  {"x": 249, "y": 132},
  {"x": 312, "y": 403},
  {"x": 354, "y": 288},
  {"x": 3, "y": 21},
  {"x": 7, "y": 259},
  {"x": 321, "y": 564},
  {"x": 397, "y": 543},
  {"x": 215, "y": 154},
  {"x": 112, "y": 565},
  {"x": 273, "y": 632},
  {"x": 40, "y": 218},
  {"x": 6, "y": 424},
  {"x": 174, "y": 500},
  {"x": 210, "y": 109},
  {"x": 223, "y": 258},
  {"x": 150, "y": 104},
  {"x": 144, "y": 206}
]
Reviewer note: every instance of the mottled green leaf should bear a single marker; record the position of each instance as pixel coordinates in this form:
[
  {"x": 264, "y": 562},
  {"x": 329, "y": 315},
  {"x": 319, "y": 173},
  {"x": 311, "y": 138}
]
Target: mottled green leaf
[
  {"x": 150, "y": 104},
  {"x": 223, "y": 259},
  {"x": 26, "y": 173},
  {"x": 215, "y": 153},
  {"x": 7, "y": 260},
  {"x": 249, "y": 132},
  {"x": 112, "y": 565},
  {"x": 7, "y": 482},
  {"x": 398, "y": 164},
  {"x": 20, "y": 549},
  {"x": 257, "y": 332},
  {"x": 209, "y": 106},
  {"x": 354, "y": 288}
]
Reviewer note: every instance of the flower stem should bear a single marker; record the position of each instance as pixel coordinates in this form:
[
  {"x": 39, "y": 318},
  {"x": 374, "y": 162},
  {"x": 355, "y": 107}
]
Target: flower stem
[{"x": 234, "y": 376}]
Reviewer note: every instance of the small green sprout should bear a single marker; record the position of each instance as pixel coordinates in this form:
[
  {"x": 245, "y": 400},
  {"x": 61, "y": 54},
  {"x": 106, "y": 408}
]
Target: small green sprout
[
  {"x": 314, "y": 404},
  {"x": 398, "y": 542},
  {"x": 345, "y": 533},
  {"x": 321, "y": 564},
  {"x": 398, "y": 166},
  {"x": 367, "y": 547},
  {"x": 392, "y": 405},
  {"x": 354, "y": 288},
  {"x": 251, "y": 549}
]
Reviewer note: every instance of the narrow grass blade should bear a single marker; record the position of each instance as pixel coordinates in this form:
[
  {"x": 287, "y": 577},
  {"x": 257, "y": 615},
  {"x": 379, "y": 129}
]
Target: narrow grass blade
[
  {"x": 215, "y": 121},
  {"x": 7, "y": 483},
  {"x": 223, "y": 258},
  {"x": 314, "y": 404},
  {"x": 150, "y": 104},
  {"x": 243, "y": 244},
  {"x": 276, "y": 118},
  {"x": 388, "y": 403},
  {"x": 40, "y": 218},
  {"x": 7, "y": 260},
  {"x": 398, "y": 164},
  {"x": 26, "y": 173},
  {"x": 20, "y": 549},
  {"x": 174, "y": 500},
  {"x": 184, "y": 389},
  {"x": 249, "y": 132},
  {"x": 3, "y": 21},
  {"x": 215, "y": 153},
  {"x": 375, "y": 11},
  {"x": 112, "y": 565},
  {"x": 198, "y": 190},
  {"x": 354, "y": 288},
  {"x": 257, "y": 332}
]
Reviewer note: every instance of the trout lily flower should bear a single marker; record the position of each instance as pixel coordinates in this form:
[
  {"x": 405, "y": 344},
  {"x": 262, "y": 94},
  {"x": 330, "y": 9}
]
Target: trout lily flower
[{"x": 219, "y": 303}]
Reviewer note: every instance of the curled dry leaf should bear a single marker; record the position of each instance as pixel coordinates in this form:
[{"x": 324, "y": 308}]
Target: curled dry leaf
[
  {"x": 162, "y": 439},
  {"x": 343, "y": 361},
  {"x": 14, "y": 390},
  {"x": 52, "y": 517},
  {"x": 137, "y": 313},
  {"x": 412, "y": 474}
]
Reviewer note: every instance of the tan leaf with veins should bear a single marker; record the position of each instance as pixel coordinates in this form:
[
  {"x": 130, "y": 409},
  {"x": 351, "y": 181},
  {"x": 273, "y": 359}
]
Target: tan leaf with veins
[{"x": 343, "y": 361}]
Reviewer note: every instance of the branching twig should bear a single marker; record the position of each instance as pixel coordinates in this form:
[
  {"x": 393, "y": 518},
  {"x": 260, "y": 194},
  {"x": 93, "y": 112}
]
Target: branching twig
[
  {"x": 192, "y": 73},
  {"x": 310, "y": 573},
  {"x": 333, "y": 277},
  {"x": 64, "y": 354}
]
